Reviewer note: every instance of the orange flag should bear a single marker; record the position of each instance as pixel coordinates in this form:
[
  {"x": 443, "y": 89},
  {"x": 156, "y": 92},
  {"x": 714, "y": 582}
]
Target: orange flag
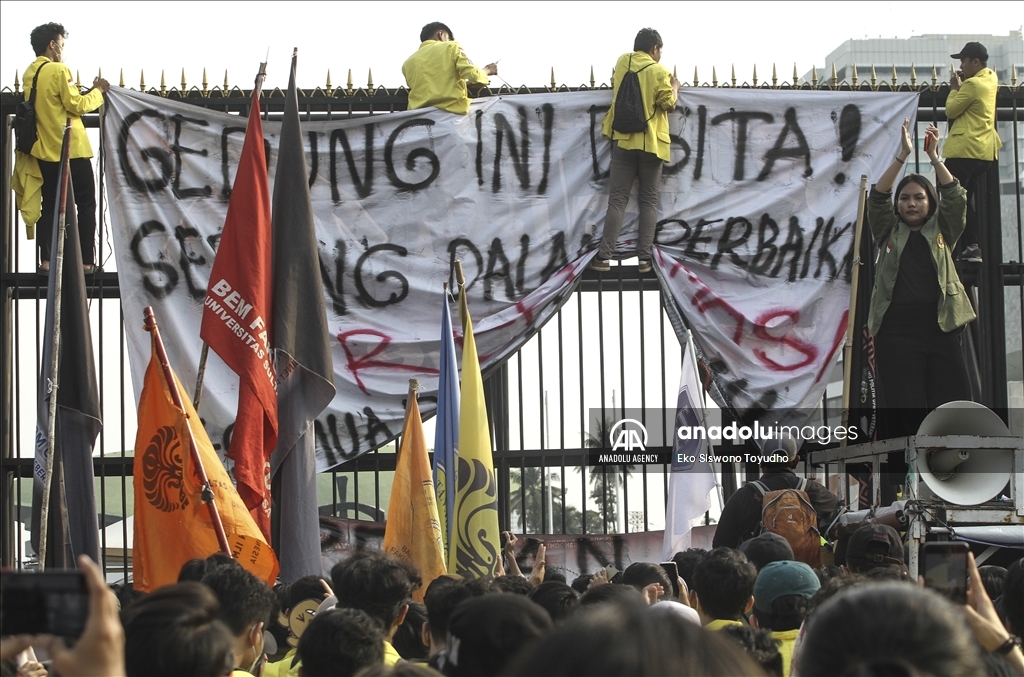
[
  {"x": 172, "y": 524},
  {"x": 412, "y": 532}
]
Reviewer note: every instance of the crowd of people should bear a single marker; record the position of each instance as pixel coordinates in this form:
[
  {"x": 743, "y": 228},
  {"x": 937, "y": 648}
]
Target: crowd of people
[{"x": 765, "y": 614}]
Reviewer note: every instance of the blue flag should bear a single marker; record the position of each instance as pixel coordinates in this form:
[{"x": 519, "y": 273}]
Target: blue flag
[{"x": 446, "y": 432}]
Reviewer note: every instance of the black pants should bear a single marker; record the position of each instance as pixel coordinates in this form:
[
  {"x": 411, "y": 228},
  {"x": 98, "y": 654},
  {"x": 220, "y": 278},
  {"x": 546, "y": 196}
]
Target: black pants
[
  {"x": 85, "y": 200},
  {"x": 969, "y": 173},
  {"x": 919, "y": 367}
]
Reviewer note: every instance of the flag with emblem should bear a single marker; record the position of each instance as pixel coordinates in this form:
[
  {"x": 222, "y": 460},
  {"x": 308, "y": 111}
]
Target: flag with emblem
[{"x": 172, "y": 524}]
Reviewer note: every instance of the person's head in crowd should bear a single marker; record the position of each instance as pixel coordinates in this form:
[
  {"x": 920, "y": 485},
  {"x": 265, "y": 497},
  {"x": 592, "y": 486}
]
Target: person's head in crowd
[
  {"x": 176, "y": 631},
  {"x": 610, "y": 641},
  {"x": 442, "y": 596},
  {"x": 766, "y": 548},
  {"x": 551, "y": 574},
  {"x": 125, "y": 593},
  {"x": 647, "y": 40},
  {"x": 485, "y": 632},
  {"x": 301, "y": 598},
  {"x": 994, "y": 580},
  {"x": 914, "y": 189},
  {"x": 246, "y": 606},
  {"x": 340, "y": 643},
  {"x": 408, "y": 640},
  {"x": 889, "y": 629},
  {"x": 195, "y": 569},
  {"x": 482, "y": 585},
  {"x": 781, "y": 595},
  {"x": 827, "y": 572},
  {"x": 879, "y": 574},
  {"x": 723, "y": 586},
  {"x": 558, "y": 599},
  {"x": 831, "y": 588},
  {"x": 973, "y": 58},
  {"x": 42, "y": 36},
  {"x": 641, "y": 574},
  {"x": 874, "y": 546},
  {"x": 379, "y": 585},
  {"x": 1012, "y": 602},
  {"x": 399, "y": 669},
  {"x": 779, "y": 452},
  {"x": 611, "y": 593},
  {"x": 686, "y": 561},
  {"x": 581, "y": 583},
  {"x": 675, "y": 609},
  {"x": 516, "y": 585},
  {"x": 435, "y": 30},
  {"x": 759, "y": 644}
]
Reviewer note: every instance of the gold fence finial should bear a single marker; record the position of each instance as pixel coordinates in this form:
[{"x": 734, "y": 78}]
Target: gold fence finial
[
  {"x": 99, "y": 72},
  {"x": 1013, "y": 76},
  {"x": 226, "y": 85},
  {"x": 369, "y": 79},
  {"x": 835, "y": 76},
  {"x": 894, "y": 76},
  {"x": 796, "y": 76},
  {"x": 330, "y": 87},
  {"x": 592, "y": 80},
  {"x": 913, "y": 75},
  {"x": 755, "y": 75},
  {"x": 814, "y": 76},
  {"x": 775, "y": 78},
  {"x": 348, "y": 87},
  {"x": 206, "y": 83},
  {"x": 854, "y": 75},
  {"x": 696, "y": 81},
  {"x": 553, "y": 85},
  {"x": 874, "y": 79},
  {"x": 17, "y": 84},
  {"x": 714, "y": 77},
  {"x": 142, "y": 81},
  {"x": 163, "y": 83},
  {"x": 184, "y": 86},
  {"x": 120, "y": 82},
  {"x": 935, "y": 74}
]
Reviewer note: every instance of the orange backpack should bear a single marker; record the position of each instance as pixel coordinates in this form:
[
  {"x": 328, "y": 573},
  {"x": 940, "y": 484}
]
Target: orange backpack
[{"x": 789, "y": 513}]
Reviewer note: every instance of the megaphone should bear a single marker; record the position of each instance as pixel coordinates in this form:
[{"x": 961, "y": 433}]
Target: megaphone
[{"x": 964, "y": 476}]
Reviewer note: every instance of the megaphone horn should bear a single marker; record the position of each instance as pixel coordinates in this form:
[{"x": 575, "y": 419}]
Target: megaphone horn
[{"x": 964, "y": 476}]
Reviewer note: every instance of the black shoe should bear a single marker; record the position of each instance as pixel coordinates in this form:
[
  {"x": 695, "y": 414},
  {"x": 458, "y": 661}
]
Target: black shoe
[{"x": 971, "y": 254}]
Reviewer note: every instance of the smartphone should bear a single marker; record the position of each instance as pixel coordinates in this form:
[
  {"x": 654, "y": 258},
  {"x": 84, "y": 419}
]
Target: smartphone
[
  {"x": 945, "y": 568},
  {"x": 927, "y": 143},
  {"x": 673, "y": 575},
  {"x": 44, "y": 602}
]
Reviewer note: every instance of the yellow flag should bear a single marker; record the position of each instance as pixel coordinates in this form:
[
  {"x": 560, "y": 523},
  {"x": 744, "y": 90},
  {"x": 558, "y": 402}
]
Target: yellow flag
[
  {"x": 413, "y": 531},
  {"x": 476, "y": 540},
  {"x": 172, "y": 524}
]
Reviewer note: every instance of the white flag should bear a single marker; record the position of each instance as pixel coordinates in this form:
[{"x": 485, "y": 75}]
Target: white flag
[{"x": 692, "y": 477}]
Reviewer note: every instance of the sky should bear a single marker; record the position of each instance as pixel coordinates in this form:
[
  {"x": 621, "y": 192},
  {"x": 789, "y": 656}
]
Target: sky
[{"x": 529, "y": 38}]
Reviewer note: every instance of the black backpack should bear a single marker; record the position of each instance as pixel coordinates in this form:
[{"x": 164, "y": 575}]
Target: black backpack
[
  {"x": 630, "y": 113},
  {"x": 24, "y": 122}
]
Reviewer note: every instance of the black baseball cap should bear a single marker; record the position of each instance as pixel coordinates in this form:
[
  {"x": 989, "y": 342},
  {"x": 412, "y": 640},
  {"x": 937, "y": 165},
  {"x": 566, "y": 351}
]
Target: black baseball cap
[
  {"x": 972, "y": 50},
  {"x": 874, "y": 546},
  {"x": 766, "y": 548}
]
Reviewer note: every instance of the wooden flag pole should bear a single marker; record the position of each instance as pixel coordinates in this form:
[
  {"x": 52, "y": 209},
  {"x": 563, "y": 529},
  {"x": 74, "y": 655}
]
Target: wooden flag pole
[
  {"x": 201, "y": 373},
  {"x": 852, "y": 316},
  {"x": 54, "y": 384},
  {"x": 207, "y": 494},
  {"x": 461, "y": 280}
]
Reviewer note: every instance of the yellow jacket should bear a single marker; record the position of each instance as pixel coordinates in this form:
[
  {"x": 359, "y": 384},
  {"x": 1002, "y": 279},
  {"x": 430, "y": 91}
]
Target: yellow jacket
[
  {"x": 656, "y": 85},
  {"x": 972, "y": 108},
  {"x": 57, "y": 99},
  {"x": 436, "y": 75}
]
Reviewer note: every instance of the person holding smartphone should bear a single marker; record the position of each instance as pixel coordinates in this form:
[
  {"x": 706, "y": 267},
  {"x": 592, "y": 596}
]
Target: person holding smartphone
[{"x": 918, "y": 304}]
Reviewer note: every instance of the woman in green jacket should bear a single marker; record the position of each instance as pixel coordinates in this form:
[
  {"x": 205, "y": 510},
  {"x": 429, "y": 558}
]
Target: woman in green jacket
[{"x": 918, "y": 305}]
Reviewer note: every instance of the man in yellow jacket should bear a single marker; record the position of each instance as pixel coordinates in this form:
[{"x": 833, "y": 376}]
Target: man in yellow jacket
[
  {"x": 638, "y": 154},
  {"x": 972, "y": 146},
  {"x": 58, "y": 98},
  {"x": 438, "y": 73}
]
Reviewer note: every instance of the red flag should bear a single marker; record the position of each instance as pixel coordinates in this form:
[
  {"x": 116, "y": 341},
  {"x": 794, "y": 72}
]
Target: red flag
[{"x": 236, "y": 319}]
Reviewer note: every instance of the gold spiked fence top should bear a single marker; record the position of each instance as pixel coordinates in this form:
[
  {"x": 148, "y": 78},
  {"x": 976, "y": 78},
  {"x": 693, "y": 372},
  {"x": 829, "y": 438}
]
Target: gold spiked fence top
[{"x": 832, "y": 82}]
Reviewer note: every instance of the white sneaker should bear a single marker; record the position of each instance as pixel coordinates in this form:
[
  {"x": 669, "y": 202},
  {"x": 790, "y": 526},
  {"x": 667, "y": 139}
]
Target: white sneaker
[
  {"x": 644, "y": 266},
  {"x": 601, "y": 265}
]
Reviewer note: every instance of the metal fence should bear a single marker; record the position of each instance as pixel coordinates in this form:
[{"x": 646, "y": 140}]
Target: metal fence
[{"x": 545, "y": 485}]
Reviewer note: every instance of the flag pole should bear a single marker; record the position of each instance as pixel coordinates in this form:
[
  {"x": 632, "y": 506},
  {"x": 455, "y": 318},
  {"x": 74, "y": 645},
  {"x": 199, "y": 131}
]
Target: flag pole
[
  {"x": 201, "y": 373},
  {"x": 461, "y": 280},
  {"x": 851, "y": 317},
  {"x": 414, "y": 386},
  {"x": 204, "y": 481},
  {"x": 54, "y": 385}
]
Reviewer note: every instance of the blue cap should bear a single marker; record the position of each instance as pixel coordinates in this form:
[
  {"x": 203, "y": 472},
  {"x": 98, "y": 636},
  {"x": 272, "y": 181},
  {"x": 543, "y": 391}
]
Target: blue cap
[{"x": 779, "y": 579}]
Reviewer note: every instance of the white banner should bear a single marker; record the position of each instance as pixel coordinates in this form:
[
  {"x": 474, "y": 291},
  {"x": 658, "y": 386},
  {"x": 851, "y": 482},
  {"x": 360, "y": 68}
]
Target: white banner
[{"x": 757, "y": 209}]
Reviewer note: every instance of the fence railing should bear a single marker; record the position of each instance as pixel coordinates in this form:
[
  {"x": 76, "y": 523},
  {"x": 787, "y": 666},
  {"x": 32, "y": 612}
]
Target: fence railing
[{"x": 545, "y": 484}]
